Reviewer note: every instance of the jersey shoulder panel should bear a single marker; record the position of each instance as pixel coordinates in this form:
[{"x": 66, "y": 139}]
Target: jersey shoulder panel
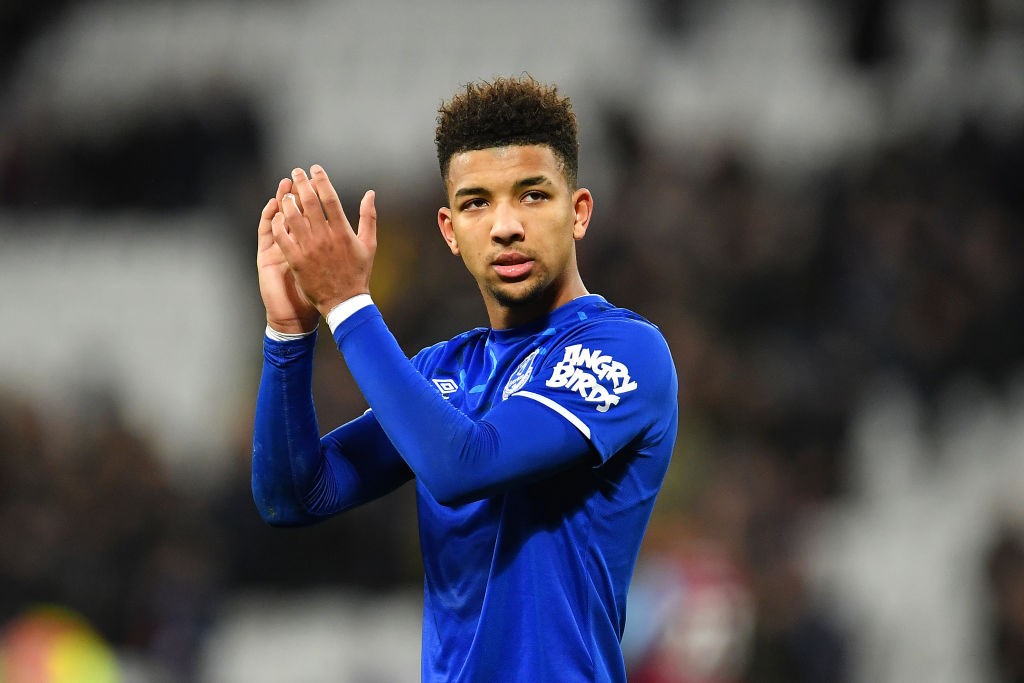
[{"x": 613, "y": 376}]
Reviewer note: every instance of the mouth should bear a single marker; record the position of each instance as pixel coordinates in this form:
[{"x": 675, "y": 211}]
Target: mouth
[{"x": 512, "y": 266}]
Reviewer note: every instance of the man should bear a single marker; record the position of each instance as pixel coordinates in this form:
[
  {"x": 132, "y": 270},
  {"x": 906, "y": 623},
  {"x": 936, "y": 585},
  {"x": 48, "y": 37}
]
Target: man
[{"x": 537, "y": 444}]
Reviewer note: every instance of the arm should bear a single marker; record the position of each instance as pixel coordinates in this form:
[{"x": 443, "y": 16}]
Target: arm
[
  {"x": 606, "y": 388},
  {"x": 455, "y": 458},
  {"x": 298, "y": 478}
]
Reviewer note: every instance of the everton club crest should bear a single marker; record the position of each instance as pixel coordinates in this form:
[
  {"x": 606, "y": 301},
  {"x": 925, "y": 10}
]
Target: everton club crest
[{"x": 521, "y": 375}]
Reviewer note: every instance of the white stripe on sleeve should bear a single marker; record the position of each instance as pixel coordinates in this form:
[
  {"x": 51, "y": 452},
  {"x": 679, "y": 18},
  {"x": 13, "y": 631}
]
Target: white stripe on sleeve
[{"x": 576, "y": 422}]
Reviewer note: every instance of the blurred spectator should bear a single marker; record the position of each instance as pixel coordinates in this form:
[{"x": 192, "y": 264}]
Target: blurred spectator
[{"x": 691, "y": 612}]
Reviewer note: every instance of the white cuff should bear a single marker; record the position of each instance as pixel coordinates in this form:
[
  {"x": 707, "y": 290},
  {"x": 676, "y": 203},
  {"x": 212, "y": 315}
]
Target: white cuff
[
  {"x": 286, "y": 336},
  {"x": 346, "y": 308}
]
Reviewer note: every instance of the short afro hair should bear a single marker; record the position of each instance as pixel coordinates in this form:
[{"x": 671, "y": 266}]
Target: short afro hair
[{"x": 508, "y": 111}]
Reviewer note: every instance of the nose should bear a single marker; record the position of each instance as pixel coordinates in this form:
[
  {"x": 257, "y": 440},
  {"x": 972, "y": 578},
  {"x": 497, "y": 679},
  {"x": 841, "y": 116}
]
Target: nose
[{"x": 507, "y": 226}]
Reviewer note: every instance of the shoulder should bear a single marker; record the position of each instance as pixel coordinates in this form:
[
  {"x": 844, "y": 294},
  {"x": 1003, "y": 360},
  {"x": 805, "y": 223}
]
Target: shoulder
[
  {"x": 607, "y": 326},
  {"x": 612, "y": 371},
  {"x": 596, "y": 309},
  {"x": 614, "y": 347}
]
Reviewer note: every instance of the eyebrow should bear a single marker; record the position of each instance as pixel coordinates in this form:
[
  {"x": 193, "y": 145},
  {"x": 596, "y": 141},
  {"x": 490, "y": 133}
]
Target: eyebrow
[
  {"x": 532, "y": 181},
  {"x": 463, "y": 191}
]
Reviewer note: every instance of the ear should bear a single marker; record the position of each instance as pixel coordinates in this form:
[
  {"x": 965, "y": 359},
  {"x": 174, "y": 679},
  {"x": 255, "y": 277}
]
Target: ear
[
  {"x": 583, "y": 207},
  {"x": 444, "y": 222}
]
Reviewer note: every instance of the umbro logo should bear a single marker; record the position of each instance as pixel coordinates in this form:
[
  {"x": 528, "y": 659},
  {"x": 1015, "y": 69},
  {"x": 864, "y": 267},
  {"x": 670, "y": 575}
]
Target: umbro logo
[{"x": 447, "y": 387}]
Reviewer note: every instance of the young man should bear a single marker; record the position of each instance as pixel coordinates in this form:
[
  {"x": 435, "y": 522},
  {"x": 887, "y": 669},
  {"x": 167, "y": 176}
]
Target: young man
[{"x": 537, "y": 444}]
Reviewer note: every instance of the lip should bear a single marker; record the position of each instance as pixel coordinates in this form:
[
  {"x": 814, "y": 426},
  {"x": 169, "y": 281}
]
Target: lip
[{"x": 512, "y": 265}]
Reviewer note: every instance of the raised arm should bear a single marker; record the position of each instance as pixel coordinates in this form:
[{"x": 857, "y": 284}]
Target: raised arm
[{"x": 297, "y": 477}]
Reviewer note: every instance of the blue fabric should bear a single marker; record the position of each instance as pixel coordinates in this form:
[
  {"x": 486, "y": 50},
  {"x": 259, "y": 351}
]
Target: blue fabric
[
  {"x": 298, "y": 478},
  {"x": 537, "y": 454}
]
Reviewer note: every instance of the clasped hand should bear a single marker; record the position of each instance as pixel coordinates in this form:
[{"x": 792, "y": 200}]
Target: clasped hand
[{"x": 309, "y": 257}]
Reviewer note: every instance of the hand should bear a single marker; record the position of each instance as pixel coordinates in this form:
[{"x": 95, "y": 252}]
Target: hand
[
  {"x": 329, "y": 260},
  {"x": 288, "y": 309}
]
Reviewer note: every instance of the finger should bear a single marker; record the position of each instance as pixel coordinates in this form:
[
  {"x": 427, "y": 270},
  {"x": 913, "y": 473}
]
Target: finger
[
  {"x": 284, "y": 186},
  {"x": 368, "y": 219},
  {"x": 329, "y": 199},
  {"x": 282, "y": 238},
  {"x": 295, "y": 222},
  {"x": 265, "y": 235},
  {"x": 267, "y": 215},
  {"x": 302, "y": 188}
]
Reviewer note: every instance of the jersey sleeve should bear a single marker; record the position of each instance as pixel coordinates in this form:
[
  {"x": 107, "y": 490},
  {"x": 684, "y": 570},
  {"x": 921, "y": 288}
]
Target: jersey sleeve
[
  {"x": 298, "y": 477},
  {"x": 540, "y": 429},
  {"x": 455, "y": 458},
  {"x": 613, "y": 380}
]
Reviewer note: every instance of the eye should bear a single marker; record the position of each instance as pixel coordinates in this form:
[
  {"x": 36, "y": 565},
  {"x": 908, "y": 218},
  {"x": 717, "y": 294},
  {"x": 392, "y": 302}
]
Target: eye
[
  {"x": 534, "y": 196},
  {"x": 477, "y": 203}
]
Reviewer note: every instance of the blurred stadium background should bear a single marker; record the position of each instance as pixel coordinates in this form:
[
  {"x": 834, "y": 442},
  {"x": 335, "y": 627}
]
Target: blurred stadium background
[{"x": 819, "y": 201}]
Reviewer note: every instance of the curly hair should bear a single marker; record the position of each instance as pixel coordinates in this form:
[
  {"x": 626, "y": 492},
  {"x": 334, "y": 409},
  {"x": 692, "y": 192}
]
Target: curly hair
[{"x": 508, "y": 111}]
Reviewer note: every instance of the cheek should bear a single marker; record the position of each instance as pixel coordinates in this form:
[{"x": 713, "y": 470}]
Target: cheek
[{"x": 473, "y": 256}]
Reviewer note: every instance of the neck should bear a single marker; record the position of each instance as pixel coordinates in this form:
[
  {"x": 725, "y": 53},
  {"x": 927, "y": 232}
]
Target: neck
[{"x": 505, "y": 315}]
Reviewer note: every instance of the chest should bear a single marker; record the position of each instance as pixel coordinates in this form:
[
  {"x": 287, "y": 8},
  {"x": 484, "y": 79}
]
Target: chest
[{"x": 478, "y": 375}]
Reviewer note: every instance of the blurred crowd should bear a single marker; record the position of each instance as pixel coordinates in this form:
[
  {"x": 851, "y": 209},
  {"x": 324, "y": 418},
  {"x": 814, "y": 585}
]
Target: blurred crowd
[
  {"x": 780, "y": 297},
  {"x": 785, "y": 303},
  {"x": 779, "y": 304}
]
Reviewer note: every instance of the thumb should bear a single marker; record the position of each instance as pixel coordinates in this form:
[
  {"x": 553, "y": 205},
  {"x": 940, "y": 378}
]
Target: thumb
[{"x": 367, "y": 232}]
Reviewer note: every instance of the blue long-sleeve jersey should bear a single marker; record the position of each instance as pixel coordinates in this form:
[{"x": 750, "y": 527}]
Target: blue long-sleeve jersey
[{"x": 537, "y": 453}]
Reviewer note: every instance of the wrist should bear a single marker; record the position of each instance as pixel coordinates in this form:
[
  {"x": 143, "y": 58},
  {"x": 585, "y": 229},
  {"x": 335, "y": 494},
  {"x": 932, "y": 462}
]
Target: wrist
[
  {"x": 344, "y": 309},
  {"x": 293, "y": 326},
  {"x": 271, "y": 333},
  {"x": 327, "y": 305}
]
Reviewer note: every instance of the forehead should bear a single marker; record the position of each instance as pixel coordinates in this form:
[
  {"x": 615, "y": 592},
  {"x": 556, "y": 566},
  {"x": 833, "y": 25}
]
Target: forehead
[{"x": 495, "y": 167}]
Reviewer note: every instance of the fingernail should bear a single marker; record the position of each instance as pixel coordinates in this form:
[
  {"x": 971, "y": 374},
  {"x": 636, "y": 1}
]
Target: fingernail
[
  {"x": 296, "y": 173},
  {"x": 290, "y": 196},
  {"x": 317, "y": 168}
]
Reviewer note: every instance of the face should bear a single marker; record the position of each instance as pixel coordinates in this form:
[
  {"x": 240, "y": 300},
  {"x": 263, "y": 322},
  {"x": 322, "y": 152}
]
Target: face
[{"x": 514, "y": 221}]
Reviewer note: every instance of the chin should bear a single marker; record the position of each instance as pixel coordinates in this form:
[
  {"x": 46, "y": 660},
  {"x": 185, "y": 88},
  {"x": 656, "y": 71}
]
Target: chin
[{"x": 518, "y": 294}]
